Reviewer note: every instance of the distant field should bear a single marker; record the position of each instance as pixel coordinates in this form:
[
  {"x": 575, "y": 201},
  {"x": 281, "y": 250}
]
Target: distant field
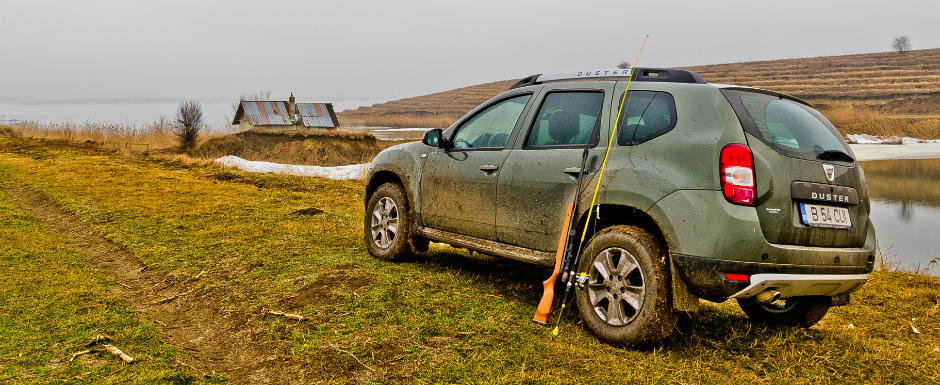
[
  {"x": 903, "y": 84},
  {"x": 879, "y": 93}
]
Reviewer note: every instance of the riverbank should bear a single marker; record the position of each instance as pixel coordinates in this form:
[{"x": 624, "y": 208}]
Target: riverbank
[{"x": 896, "y": 151}]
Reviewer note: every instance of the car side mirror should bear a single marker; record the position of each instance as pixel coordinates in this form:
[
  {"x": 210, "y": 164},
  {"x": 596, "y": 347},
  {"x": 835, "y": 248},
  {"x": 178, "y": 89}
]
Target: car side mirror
[{"x": 434, "y": 138}]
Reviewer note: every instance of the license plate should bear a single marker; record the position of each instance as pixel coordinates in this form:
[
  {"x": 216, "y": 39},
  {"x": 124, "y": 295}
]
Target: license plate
[{"x": 825, "y": 216}]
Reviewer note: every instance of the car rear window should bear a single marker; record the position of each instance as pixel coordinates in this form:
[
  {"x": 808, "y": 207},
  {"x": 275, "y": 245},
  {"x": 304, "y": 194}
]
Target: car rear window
[{"x": 791, "y": 128}]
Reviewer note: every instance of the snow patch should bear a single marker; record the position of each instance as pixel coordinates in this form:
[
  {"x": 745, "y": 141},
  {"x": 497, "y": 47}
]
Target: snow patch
[
  {"x": 410, "y": 129},
  {"x": 352, "y": 171},
  {"x": 872, "y": 139}
]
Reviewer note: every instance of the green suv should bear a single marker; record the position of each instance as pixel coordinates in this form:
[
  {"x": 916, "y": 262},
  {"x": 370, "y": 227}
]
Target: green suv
[{"x": 710, "y": 191}]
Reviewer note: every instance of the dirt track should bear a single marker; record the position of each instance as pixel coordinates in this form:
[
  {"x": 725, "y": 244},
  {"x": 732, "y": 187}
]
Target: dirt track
[{"x": 215, "y": 341}]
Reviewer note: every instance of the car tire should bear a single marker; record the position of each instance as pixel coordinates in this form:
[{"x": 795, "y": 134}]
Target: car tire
[
  {"x": 632, "y": 305},
  {"x": 387, "y": 226},
  {"x": 797, "y": 311}
]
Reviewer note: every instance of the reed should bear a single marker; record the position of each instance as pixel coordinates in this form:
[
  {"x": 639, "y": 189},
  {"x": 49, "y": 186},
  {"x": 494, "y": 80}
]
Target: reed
[{"x": 155, "y": 136}]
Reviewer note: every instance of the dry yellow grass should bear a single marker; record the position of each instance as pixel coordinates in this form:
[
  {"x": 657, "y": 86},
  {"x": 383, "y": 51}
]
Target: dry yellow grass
[
  {"x": 321, "y": 148},
  {"x": 129, "y": 138},
  {"x": 861, "y": 119},
  {"x": 400, "y": 120}
]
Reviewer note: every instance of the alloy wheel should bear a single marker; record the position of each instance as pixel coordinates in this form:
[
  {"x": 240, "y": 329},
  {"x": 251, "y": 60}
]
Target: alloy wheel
[
  {"x": 616, "y": 286},
  {"x": 384, "y": 222}
]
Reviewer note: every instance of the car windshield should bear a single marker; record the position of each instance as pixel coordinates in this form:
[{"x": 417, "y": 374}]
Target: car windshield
[{"x": 793, "y": 129}]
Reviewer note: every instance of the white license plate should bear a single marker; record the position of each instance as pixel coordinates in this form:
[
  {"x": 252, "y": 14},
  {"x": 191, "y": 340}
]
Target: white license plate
[{"x": 825, "y": 216}]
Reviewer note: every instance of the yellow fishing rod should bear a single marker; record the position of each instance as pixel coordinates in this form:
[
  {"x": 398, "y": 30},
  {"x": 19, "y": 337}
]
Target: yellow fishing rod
[{"x": 573, "y": 264}]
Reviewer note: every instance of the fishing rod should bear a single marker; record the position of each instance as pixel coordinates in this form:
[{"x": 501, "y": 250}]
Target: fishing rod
[
  {"x": 563, "y": 253},
  {"x": 571, "y": 263}
]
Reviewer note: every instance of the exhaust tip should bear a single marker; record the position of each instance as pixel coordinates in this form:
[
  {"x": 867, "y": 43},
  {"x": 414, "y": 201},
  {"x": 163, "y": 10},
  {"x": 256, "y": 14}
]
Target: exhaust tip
[{"x": 768, "y": 296}]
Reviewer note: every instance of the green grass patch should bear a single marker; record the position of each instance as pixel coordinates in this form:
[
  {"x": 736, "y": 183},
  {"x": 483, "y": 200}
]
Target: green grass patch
[
  {"x": 52, "y": 304},
  {"x": 444, "y": 317}
]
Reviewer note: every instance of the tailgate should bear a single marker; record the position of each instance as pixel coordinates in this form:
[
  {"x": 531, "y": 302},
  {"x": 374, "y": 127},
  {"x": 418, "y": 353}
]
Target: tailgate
[{"x": 799, "y": 158}]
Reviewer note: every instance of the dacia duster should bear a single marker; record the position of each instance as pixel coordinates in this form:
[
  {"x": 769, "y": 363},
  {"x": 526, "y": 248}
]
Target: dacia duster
[{"x": 710, "y": 191}]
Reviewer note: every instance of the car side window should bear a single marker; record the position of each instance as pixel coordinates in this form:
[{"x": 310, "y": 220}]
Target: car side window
[
  {"x": 490, "y": 128},
  {"x": 646, "y": 115},
  {"x": 567, "y": 118}
]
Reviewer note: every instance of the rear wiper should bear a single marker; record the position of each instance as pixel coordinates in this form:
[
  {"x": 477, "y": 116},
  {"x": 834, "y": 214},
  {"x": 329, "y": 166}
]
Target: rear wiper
[{"x": 835, "y": 155}]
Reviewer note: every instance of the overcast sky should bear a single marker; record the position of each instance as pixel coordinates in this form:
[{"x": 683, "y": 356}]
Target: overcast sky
[{"x": 60, "y": 50}]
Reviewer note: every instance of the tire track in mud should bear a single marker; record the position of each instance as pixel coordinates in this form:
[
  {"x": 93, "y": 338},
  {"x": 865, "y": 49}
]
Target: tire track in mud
[{"x": 211, "y": 340}]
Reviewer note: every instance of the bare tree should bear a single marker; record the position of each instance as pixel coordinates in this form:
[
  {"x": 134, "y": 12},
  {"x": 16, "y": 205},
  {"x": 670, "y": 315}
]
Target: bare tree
[
  {"x": 901, "y": 44},
  {"x": 188, "y": 123},
  {"x": 623, "y": 65}
]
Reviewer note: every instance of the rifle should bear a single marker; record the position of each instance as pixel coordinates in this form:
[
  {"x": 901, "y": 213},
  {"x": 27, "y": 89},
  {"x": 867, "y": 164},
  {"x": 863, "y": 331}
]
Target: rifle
[{"x": 563, "y": 253}]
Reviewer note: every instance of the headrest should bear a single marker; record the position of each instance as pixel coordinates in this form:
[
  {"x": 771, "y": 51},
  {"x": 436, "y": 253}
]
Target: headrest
[{"x": 563, "y": 126}]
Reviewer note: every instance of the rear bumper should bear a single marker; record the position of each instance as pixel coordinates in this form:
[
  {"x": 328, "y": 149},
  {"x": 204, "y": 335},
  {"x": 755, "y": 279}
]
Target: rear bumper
[
  {"x": 799, "y": 285},
  {"x": 705, "y": 277}
]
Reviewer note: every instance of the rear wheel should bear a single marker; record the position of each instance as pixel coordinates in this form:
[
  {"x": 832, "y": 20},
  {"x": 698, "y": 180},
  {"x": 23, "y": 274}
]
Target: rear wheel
[
  {"x": 796, "y": 311},
  {"x": 387, "y": 223},
  {"x": 626, "y": 298}
]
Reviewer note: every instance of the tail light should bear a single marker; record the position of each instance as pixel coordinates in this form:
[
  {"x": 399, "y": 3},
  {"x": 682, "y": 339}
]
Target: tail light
[
  {"x": 737, "y": 277},
  {"x": 736, "y": 168}
]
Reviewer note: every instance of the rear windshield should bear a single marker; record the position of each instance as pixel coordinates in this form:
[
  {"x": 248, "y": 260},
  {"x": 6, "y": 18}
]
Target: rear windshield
[{"x": 793, "y": 129}]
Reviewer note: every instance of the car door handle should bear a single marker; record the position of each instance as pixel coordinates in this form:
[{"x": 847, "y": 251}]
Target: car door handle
[
  {"x": 489, "y": 168},
  {"x": 573, "y": 170}
]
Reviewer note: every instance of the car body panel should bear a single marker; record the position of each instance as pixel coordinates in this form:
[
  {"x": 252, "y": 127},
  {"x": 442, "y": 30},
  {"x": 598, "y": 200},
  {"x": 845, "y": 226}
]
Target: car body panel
[
  {"x": 464, "y": 195},
  {"x": 405, "y": 162},
  {"x": 534, "y": 189},
  {"x": 779, "y": 212}
]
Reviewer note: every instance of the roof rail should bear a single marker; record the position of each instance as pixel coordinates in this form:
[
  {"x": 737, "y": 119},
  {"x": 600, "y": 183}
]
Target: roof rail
[{"x": 640, "y": 74}]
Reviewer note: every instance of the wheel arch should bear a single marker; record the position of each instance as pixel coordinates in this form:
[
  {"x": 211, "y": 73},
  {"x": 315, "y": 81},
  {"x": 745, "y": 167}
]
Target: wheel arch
[
  {"x": 381, "y": 177},
  {"x": 619, "y": 214}
]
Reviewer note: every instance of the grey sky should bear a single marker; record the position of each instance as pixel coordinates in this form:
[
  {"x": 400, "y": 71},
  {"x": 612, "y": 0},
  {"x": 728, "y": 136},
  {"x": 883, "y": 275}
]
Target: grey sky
[{"x": 388, "y": 50}]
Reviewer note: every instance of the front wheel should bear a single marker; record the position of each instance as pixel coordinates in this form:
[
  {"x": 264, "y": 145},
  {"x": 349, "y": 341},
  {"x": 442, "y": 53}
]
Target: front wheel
[
  {"x": 796, "y": 311},
  {"x": 626, "y": 297},
  {"x": 387, "y": 223}
]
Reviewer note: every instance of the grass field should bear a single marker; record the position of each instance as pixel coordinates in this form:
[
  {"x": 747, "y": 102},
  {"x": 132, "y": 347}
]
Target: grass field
[
  {"x": 877, "y": 94},
  {"x": 312, "y": 147},
  {"x": 182, "y": 263},
  {"x": 54, "y": 303}
]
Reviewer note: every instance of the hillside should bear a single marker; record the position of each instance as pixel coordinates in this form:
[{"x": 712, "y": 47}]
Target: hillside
[
  {"x": 908, "y": 83},
  {"x": 878, "y": 93},
  {"x": 433, "y": 110}
]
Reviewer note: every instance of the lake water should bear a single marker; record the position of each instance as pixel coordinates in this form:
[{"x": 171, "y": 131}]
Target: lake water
[
  {"x": 217, "y": 112},
  {"x": 905, "y": 210}
]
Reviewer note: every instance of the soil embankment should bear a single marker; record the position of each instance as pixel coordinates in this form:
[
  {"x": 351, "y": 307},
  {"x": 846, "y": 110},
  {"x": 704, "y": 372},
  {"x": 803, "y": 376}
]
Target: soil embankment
[{"x": 320, "y": 148}]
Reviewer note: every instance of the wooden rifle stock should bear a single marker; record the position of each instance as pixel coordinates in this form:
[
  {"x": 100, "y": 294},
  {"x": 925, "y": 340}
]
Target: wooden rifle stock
[
  {"x": 563, "y": 254},
  {"x": 548, "y": 286}
]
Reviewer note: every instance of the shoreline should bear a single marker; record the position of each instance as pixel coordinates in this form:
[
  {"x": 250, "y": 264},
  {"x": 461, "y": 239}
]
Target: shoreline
[{"x": 865, "y": 152}]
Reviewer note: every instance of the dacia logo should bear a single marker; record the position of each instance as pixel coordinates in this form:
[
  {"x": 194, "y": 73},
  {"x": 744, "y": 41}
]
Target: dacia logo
[{"x": 830, "y": 171}]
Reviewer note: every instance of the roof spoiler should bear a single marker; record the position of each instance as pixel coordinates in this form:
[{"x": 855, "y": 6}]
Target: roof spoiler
[{"x": 640, "y": 74}]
